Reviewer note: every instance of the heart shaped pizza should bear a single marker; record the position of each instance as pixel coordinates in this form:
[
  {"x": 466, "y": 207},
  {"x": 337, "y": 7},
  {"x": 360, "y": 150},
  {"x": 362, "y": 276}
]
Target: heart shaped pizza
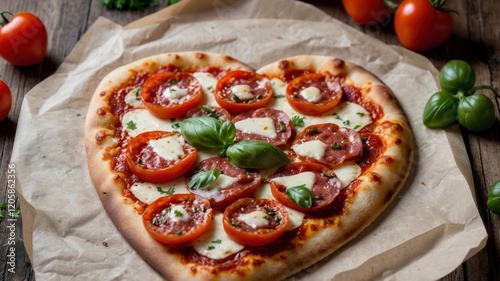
[{"x": 212, "y": 170}]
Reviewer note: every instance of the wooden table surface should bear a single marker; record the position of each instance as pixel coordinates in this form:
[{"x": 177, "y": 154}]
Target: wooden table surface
[{"x": 476, "y": 39}]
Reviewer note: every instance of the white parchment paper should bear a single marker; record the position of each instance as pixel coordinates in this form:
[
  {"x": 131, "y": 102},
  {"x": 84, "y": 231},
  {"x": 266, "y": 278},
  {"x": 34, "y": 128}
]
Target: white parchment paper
[{"x": 428, "y": 231}]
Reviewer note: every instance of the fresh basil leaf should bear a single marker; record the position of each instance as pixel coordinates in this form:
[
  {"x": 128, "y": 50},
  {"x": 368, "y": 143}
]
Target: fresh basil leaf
[
  {"x": 300, "y": 195},
  {"x": 227, "y": 133},
  {"x": 255, "y": 154},
  {"x": 202, "y": 132},
  {"x": 203, "y": 179}
]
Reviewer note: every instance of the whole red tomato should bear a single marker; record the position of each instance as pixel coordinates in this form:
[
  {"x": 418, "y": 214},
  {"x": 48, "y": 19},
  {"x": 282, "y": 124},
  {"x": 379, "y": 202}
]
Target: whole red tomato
[
  {"x": 367, "y": 11},
  {"x": 420, "y": 26},
  {"x": 23, "y": 39},
  {"x": 5, "y": 100}
]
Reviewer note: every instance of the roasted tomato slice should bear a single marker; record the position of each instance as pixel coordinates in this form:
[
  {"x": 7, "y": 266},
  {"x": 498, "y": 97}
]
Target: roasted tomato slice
[
  {"x": 266, "y": 124},
  {"x": 304, "y": 186},
  {"x": 255, "y": 222},
  {"x": 159, "y": 156},
  {"x": 212, "y": 111},
  {"x": 178, "y": 218},
  {"x": 170, "y": 95},
  {"x": 239, "y": 91},
  {"x": 328, "y": 144},
  {"x": 314, "y": 93},
  {"x": 232, "y": 184}
]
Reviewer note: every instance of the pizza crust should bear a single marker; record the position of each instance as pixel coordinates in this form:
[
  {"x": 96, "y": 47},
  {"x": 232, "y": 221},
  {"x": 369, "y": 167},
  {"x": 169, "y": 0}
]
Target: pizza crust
[{"x": 376, "y": 189}]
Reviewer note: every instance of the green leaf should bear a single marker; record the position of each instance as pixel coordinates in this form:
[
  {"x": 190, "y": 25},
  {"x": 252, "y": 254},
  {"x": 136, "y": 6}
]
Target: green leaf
[
  {"x": 202, "y": 132},
  {"x": 298, "y": 121},
  {"x": 169, "y": 191},
  {"x": 440, "y": 111},
  {"x": 227, "y": 133},
  {"x": 203, "y": 179},
  {"x": 131, "y": 125},
  {"x": 300, "y": 195},
  {"x": 255, "y": 154}
]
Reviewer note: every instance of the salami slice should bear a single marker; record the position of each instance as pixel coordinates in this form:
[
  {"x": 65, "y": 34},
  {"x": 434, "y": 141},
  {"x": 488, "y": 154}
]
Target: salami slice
[
  {"x": 266, "y": 124},
  {"x": 292, "y": 183},
  {"x": 328, "y": 144},
  {"x": 232, "y": 184}
]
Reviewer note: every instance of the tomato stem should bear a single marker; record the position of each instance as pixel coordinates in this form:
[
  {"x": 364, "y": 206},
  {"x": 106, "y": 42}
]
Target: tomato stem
[
  {"x": 391, "y": 4},
  {"x": 439, "y": 5},
  {"x": 4, "y": 20},
  {"x": 483, "y": 87}
]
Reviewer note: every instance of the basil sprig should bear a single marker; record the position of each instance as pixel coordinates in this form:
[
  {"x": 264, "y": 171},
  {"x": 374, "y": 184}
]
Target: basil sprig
[
  {"x": 208, "y": 133},
  {"x": 300, "y": 195},
  {"x": 255, "y": 154},
  {"x": 203, "y": 179}
]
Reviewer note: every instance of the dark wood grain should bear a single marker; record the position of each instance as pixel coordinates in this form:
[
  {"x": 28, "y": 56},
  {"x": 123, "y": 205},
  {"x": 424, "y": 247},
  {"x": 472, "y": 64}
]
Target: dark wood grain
[{"x": 475, "y": 39}]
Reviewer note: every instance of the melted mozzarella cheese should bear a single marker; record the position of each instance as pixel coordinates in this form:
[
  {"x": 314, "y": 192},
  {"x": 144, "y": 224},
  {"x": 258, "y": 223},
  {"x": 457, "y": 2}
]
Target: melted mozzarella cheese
[
  {"x": 169, "y": 148},
  {"x": 207, "y": 81},
  {"x": 178, "y": 213},
  {"x": 313, "y": 149},
  {"x": 311, "y": 94},
  {"x": 243, "y": 92},
  {"x": 304, "y": 178},
  {"x": 133, "y": 98},
  {"x": 260, "y": 126},
  {"x": 175, "y": 94},
  {"x": 146, "y": 192},
  {"x": 255, "y": 219},
  {"x": 295, "y": 218},
  {"x": 140, "y": 120},
  {"x": 279, "y": 87},
  {"x": 215, "y": 243},
  {"x": 347, "y": 172},
  {"x": 222, "y": 182}
]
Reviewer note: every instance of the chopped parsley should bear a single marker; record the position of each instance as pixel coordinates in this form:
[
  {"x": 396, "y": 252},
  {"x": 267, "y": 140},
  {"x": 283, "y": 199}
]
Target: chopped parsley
[
  {"x": 356, "y": 127},
  {"x": 131, "y": 125},
  {"x": 335, "y": 145},
  {"x": 210, "y": 112},
  {"x": 360, "y": 114},
  {"x": 282, "y": 127},
  {"x": 313, "y": 130},
  {"x": 235, "y": 98},
  {"x": 298, "y": 121},
  {"x": 169, "y": 191},
  {"x": 178, "y": 213},
  {"x": 209, "y": 87},
  {"x": 279, "y": 96},
  {"x": 236, "y": 223},
  {"x": 211, "y": 247},
  {"x": 176, "y": 125},
  {"x": 178, "y": 233},
  {"x": 218, "y": 241},
  {"x": 346, "y": 122}
]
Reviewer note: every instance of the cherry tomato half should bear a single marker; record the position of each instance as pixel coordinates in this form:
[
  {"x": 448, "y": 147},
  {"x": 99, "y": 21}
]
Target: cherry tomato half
[
  {"x": 420, "y": 26},
  {"x": 5, "y": 100},
  {"x": 23, "y": 39},
  {"x": 177, "y": 219},
  {"x": 255, "y": 222},
  {"x": 313, "y": 93},
  {"x": 148, "y": 165},
  {"x": 170, "y": 95},
  {"x": 367, "y": 11},
  {"x": 240, "y": 91}
]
